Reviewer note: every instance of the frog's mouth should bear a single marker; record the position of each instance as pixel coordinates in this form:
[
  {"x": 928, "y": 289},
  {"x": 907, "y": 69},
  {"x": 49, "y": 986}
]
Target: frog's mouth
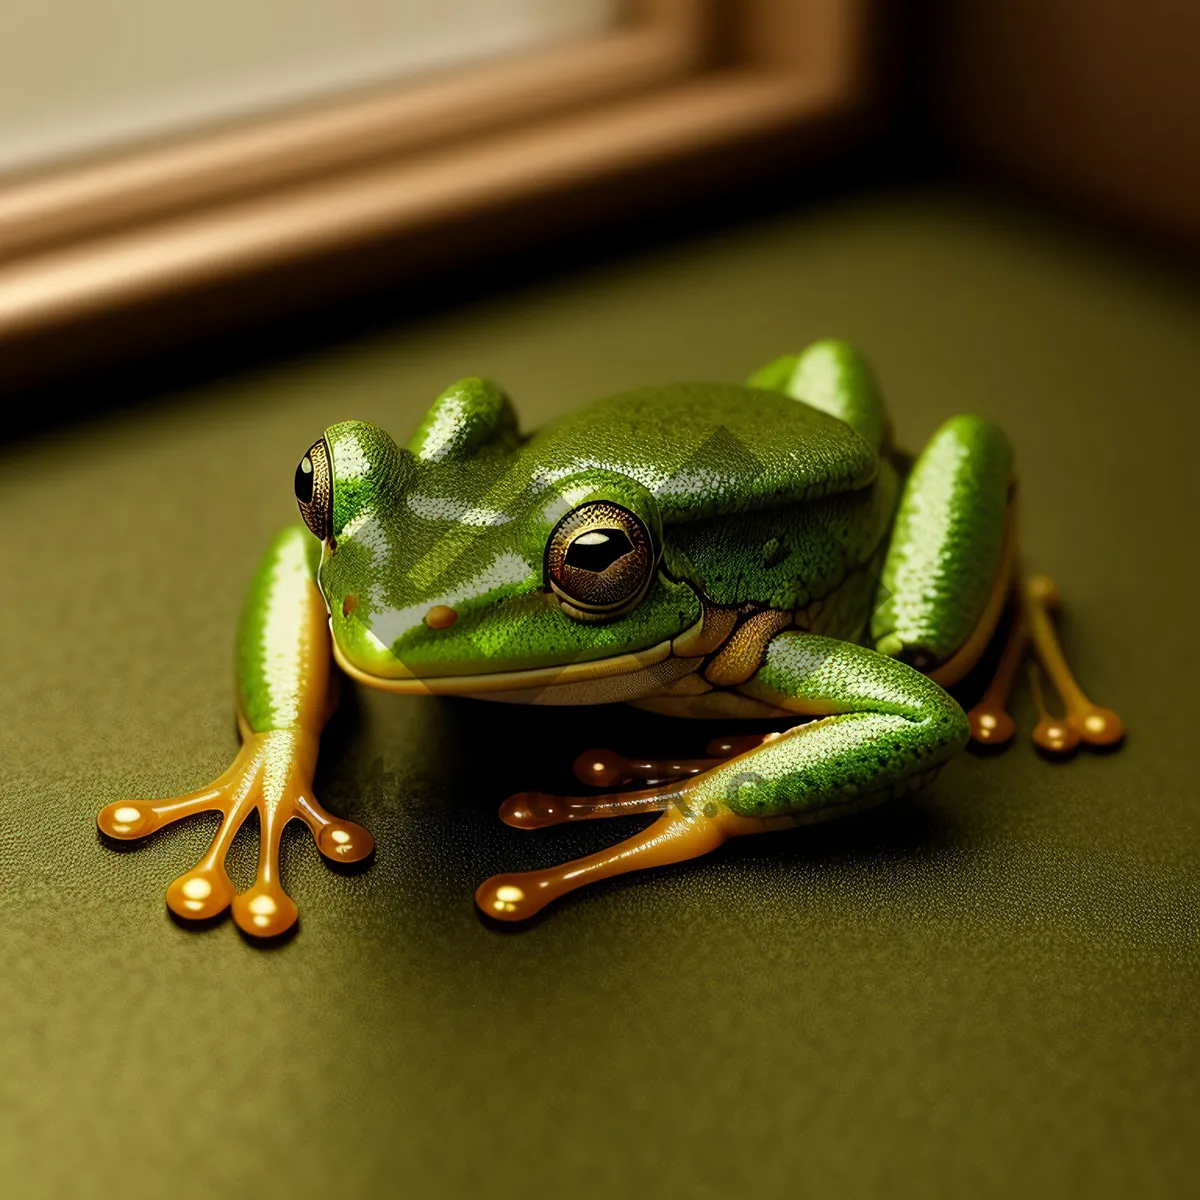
[{"x": 658, "y": 663}]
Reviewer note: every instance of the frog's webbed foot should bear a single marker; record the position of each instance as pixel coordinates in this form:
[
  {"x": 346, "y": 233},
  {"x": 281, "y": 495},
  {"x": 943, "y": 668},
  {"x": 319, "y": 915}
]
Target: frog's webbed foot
[
  {"x": 685, "y": 829},
  {"x": 271, "y": 775},
  {"x": 1084, "y": 721},
  {"x": 606, "y": 769}
]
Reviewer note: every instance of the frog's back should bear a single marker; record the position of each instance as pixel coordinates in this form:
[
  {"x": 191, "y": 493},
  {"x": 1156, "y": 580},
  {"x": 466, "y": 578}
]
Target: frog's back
[{"x": 705, "y": 450}]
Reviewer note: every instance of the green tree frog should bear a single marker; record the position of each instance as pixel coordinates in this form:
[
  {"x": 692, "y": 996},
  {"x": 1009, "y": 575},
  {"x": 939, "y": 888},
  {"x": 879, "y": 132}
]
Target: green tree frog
[{"x": 700, "y": 550}]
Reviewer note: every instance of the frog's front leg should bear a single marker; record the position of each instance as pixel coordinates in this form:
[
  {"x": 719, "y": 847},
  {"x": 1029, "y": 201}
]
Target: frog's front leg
[
  {"x": 878, "y": 728},
  {"x": 284, "y": 692}
]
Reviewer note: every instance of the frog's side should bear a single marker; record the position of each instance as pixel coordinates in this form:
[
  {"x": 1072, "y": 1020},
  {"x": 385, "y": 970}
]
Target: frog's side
[{"x": 699, "y": 550}]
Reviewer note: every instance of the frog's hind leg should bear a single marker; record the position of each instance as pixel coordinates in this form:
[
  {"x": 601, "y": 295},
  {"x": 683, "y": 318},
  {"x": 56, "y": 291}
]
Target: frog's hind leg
[
  {"x": 951, "y": 567},
  {"x": 950, "y": 563}
]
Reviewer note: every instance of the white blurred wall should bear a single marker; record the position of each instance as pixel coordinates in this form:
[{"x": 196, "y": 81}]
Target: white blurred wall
[{"x": 77, "y": 75}]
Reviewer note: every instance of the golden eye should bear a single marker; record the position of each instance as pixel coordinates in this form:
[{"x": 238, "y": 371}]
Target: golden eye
[
  {"x": 599, "y": 560},
  {"x": 314, "y": 490}
]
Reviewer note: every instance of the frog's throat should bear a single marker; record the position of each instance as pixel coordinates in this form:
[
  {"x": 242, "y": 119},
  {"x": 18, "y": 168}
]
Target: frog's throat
[{"x": 504, "y": 681}]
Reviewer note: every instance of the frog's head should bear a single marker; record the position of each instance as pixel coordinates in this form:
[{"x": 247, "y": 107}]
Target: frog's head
[{"x": 469, "y": 562}]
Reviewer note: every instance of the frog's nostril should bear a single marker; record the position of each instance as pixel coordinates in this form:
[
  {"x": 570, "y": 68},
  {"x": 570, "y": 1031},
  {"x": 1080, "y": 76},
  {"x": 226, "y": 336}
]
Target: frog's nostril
[{"x": 440, "y": 617}]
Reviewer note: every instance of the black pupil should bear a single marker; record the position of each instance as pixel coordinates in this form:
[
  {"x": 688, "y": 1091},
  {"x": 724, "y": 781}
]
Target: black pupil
[
  {"x": 304, "y": 481},
  {"x": 598, "y": 549}
]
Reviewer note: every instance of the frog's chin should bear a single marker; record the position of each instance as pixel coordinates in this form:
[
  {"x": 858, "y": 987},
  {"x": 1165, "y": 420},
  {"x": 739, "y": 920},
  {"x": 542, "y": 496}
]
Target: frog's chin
[{"x": 575, "y": 675}]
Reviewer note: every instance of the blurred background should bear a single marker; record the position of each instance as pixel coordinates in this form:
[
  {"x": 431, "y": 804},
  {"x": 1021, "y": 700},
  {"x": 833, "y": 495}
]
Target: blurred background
[{"x": 174, "y": 174}]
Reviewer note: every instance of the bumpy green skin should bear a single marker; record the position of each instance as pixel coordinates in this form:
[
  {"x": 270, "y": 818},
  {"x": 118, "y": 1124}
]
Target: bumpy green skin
[
  {"x": 895, "y": 724},
  {"x": 835, "y": 378},
  {"x": 467, "y": 528},
  {"x": 273, "y": 654},
  {"x": 784, "y": 495},
  {"x": 947, "y": 542},
  {"x": 789, "y": 556},
  {"x": 461, "y": 420}
]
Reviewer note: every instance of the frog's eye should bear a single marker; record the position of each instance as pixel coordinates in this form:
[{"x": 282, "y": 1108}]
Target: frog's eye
[
  {"x": 599, "y": 560},
  {"x": 314, "y": 489}
]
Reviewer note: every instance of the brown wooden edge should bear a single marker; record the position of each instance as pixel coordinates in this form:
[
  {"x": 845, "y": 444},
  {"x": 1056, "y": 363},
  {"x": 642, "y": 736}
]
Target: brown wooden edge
[
  {"x": 681, "y": 78},
  {"x": 660, "y": 41}
]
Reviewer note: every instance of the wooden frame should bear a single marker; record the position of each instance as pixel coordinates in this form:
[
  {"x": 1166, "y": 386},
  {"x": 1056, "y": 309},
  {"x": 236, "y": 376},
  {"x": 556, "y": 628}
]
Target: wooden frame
[{"x": 678, "y": 79}]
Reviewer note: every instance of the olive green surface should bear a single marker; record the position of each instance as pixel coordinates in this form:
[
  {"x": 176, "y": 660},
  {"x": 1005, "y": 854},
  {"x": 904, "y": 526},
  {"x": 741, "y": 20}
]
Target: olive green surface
[{"x": 988, "y": 989}]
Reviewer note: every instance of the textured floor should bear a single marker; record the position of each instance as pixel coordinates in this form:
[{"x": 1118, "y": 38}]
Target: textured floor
[{"x": 988, "y": 989}]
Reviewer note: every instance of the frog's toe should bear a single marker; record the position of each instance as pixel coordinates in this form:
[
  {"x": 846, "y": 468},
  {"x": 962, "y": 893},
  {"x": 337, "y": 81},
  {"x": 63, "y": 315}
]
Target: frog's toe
[
  {"x": 667, "y": 778},
  {"x": 1098, "y": 726},
  {"x": 266, "y": 777},
  {"x": 265, "y": 911},
  {"x": 131, "y": 819},
  {"x": 338, "y": 840},
  {"x": 345, "y": 842},
  {"x": 515, "y": 896},
  {"x": 535, "y": 810},
  {"x": 606, "y": 768},
  {"x": 127, "y": 819},
  {"x": 1054, "y": 735},
  {"x": 202, "y": 893},
  {"x": 678, "y": 834},
  {"x": 1083, "y": 720},
  {"x": 991, "y": 726}
]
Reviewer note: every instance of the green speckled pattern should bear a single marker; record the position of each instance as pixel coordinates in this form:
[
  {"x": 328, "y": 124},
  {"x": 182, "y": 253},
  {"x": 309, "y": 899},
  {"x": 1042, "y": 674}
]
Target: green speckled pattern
[
  {"x": 947, "y": 541},
  {"x": 274, "y": 654},
  {"x": 893, "y": 724},
  {"x": 465, "y": 416},
  {"x": 369, "y": 470},
  {"x": 705, "y": 449},
  {"x": 835, "y": 378},
  {"x": 788, "y": 557},
  {"x": 460, "y": 518}
]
